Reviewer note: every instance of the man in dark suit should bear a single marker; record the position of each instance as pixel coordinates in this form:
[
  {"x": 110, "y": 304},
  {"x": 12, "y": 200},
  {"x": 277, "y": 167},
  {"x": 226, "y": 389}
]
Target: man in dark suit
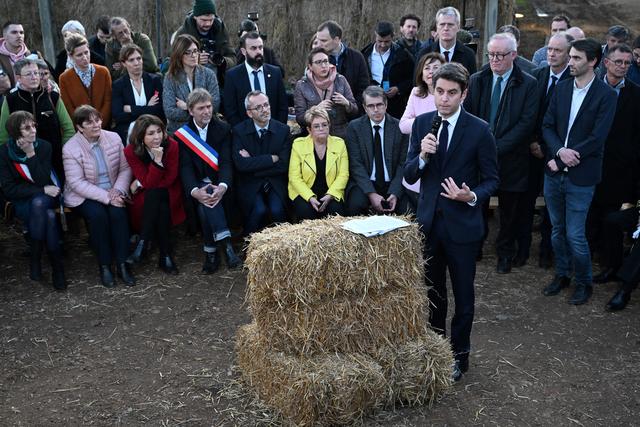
[
  {"x": 620, "y": 168},
  {"x": 448, "y": 24},
  {"x": 505, "y": 97},
  {"x": 252, "y": 75},
  {"x": 390, "y": 67},
  {"x": 349, "y": 62},
  {"x": 207, "y": 181},
  {"x": 261, "y": 150},
  {"x": 458, "y": 174},
  {"x": 377, "y": 151},
  {"x": 575, "y": 128},
  {"x": 547, "y": 78}
]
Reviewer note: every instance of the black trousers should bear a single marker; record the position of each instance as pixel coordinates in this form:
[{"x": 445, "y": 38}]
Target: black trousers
[
  {"x": 595, "y": 226},
  {"x": 525, "y": 226},
  {"x": 156, "y": 221},
  {"x": 108, "y": 230},
  {"x": 460, "y": 259},
  {"x": 615, "y": 225},
  {"x": 629, "y": 272},
  {"x": 511, "y": 205},
  {"x": 303, "y": 209}
]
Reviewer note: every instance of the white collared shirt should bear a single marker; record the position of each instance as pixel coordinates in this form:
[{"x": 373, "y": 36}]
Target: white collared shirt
[
  {"x": 258, "y": 128},
  {"x": 139, "y": 98},
  {"x": 503, "y": 83},
  {"x": 202, "y": 132},
  {"x": 443, "y": 50},
  {"x": 378, "y": 61},
  {"x": 372, "y": 177},
  {"x": 576, "y": 102},
  {"x": 250, "y": 70},
  {"x": 557, "y": 76}
]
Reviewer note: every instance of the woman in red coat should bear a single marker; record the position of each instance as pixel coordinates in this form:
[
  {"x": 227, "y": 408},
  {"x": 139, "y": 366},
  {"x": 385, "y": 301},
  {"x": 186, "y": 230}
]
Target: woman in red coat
[{"x": 156, "y": 188}]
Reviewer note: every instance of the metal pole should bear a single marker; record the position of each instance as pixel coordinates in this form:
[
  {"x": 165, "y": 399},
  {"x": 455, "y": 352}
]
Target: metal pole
[
  {"x": 44, "y": 7},
  {"x": 490, "y": 24}
]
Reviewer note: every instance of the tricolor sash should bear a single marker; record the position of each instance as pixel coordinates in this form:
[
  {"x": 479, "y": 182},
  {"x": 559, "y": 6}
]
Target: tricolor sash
[
  {"x": 23, "y": 171},
  {"x": 192, "y": 140}
]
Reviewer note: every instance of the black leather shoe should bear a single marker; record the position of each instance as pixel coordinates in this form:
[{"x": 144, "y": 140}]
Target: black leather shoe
[
  {"x": 167, "y": 265},
  {"x": 57, "y": 271},
  {"x": 504, "y": 265},
  {"x": 106, "y": 276},
  {"x": 459, "y": 367},
  {"x": 558, "y": 284},
  {"x": 581, "y": 295},
  {"x": 125, "y": 275},
  {"x": 211, "y": 262},
  {"x": 519, "y": 261},
  {"x": 605, "y": 276},
  {"x": 619, "y": 300},
  {"x": 137, "y": 254},
  {"x": 545, "y": 261},
  {"x": 233, "y": 260}
]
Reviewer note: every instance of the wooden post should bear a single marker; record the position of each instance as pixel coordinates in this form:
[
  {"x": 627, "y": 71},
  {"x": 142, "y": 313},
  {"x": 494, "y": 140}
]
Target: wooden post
[
  {"x": 490, "y": 24},
  {"x": 44, "y": 6},
  {"x": 158, "y": 30}
]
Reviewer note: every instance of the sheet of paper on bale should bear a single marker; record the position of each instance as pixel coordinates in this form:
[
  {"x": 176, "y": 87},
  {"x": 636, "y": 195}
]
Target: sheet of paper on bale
[{"x": 340, "y": 323}]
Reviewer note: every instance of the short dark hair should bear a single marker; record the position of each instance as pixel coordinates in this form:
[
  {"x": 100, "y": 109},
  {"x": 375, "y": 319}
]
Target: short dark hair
[
  {"x": 313, "y": 52},
  {"x": 104, "y": 24},
  {"x": 410, "y": 16},
  {"x": 511, "y": 29},
  {"x": 8, "y": 24},
  {"x": 453, "y": 72},
  {"x": 335, "y": 30},
  {"x": 374, "y": 91},
  {"x": 15, "y": 122},
  {"x": 253, "y": 35},
  {"x": 384, "y": 28},
  {"x": 559, "y": 18},
  {"x": 622, "y": 47},
  {"x": 84, "y": 113},
  {"x": 127, "y": 50},
  {"x": 140, "y": 127},
  {"x": 590, "y": 47},
  {"x": 619, "y": 32}
]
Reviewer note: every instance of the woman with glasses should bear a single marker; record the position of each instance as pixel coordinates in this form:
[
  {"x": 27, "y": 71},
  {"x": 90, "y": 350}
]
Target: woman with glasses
[
  {"x": 85, "y": 83},
  {"x": 323, "y": 86},
  {"x": 97, "y": 187},
  {"x": 184, "y": 75},
  {"x": 318, "y": 169},
  {"x": 136, "y": 93},
  {"x": 27, "y": 181}
]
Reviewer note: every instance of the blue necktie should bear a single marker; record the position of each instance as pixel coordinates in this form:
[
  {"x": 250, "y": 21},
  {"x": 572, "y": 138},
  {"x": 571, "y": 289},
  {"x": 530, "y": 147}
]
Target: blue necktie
[
  {"x": 495, "y": 102},
  {"x": 256, "y": 81}
]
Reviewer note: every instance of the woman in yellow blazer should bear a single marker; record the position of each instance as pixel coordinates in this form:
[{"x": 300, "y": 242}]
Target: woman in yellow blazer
[{"x": 318, "y": 169}]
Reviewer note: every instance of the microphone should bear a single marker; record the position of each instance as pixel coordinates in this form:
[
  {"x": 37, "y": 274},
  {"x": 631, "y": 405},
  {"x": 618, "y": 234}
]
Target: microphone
[{"x": 435, "y": 125}]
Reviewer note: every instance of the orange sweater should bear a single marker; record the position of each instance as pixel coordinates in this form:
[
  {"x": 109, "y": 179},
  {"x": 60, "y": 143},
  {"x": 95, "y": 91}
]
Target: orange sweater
[{"x": 98, "y": 95}]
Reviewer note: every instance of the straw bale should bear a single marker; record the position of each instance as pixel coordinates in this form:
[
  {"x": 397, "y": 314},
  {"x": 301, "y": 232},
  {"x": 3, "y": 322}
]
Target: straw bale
[
  {"x": 329, "y": 389},
  {"x": 348, "y": 324},
  {"x": 315, "y": 260},
  {"x": 419, "y": 370}
]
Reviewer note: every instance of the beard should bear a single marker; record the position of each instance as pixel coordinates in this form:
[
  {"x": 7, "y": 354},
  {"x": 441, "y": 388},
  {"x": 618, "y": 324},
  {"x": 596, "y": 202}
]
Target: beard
[{"x": 255, "y": 62}]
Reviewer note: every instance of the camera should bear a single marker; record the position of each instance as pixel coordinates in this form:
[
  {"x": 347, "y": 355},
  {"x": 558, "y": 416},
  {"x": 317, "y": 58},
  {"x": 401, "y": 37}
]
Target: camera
[
  {"x": 209, "y": 46},
  {"x": 254, "y": 16}
]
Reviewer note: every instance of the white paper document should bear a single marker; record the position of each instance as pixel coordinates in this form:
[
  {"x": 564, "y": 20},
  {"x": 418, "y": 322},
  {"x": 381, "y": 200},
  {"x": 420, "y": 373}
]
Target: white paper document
[{"x": 374, "y": 225}]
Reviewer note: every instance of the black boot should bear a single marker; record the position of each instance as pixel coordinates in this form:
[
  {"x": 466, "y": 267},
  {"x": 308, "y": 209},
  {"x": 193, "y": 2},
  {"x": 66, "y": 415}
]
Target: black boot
[
  {"x": 57, "y": 270},
  {"x": 125, "y": 275},
  {"x": 211, "y": 262},
  {"x": 167, "y": 265},
  {"x": 106, "y": 276},
  {"x": 137, "y": 254},
  {"x": 35, "y": 254},
  {"x": 621, "y": 298},
  {"x": 233, "y": 260}
]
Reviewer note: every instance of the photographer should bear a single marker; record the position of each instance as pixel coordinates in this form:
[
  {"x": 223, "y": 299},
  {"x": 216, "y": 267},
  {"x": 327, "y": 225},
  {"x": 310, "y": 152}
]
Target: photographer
[{"x": 203, "y": 24}]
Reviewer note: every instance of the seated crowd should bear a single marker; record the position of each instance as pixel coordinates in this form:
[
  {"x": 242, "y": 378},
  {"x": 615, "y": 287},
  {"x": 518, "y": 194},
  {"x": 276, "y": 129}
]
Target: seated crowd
[{"x": 133, "y": 151}]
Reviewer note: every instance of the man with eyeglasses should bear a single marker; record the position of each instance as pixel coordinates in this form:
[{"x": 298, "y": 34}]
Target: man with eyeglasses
[
  {"x": 53, "y": 122},
  {"x": 261, "y": 150},
  {"x": 616, "y": 34},
  {"x": 377, "y": 151},
  {"x": 505, "y": 97},
  {"x": 574, "y": 129},
  {"x": 253, "y": 74},
  {"x": 390, "y": 67},
  {"x": 613, "y": 207}
]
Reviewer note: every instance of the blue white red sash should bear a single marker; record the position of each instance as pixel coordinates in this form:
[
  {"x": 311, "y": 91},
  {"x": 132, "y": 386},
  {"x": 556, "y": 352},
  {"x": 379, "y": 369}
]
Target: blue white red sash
[
  {"x": 23, "y": 171},
  {"x": 192, "y": 140}
]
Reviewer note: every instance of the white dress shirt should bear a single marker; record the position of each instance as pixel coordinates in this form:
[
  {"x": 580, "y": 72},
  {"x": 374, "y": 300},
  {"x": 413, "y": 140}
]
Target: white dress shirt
[
  {"x": 377, "y": 64},
  {"x": 373, "y": 133},
  {"x": 250, "y": 70},
  {"x": 202, "y": 132}
]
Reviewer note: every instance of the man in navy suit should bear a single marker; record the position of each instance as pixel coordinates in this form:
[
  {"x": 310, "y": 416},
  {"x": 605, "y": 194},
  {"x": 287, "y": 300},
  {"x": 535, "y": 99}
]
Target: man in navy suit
[
  {"x": 252, "y": 75},
  {"x": 574, "y": 129},
  {"x": 458, "y": 174},
  {"x": 261, "y": 150}
]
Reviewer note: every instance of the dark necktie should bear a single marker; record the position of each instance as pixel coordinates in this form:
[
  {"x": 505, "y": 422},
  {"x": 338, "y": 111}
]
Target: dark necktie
[
  {"x": 495, "y": 102},
  {"x": 552, "y": 87},
  {"x": 443, "y": 140},
  {"x": 256, "y": 81},
  {"x": 446, "y": 56},
  {"x": 262, "y": 134},
  {"x": 378, "y": 157}
]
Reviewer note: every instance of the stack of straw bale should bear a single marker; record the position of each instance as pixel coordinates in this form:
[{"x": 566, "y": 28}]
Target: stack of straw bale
[{"x": 340, "y": 327}]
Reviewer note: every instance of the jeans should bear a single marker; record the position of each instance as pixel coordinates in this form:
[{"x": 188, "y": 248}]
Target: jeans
[
  {"x": 265, "y": 204},
  {"x": 214, "y": 224},
  {"x": 108, "y": 230},
  {"x": 38, "y": 214},
  {"x": 568, "y": 206}
]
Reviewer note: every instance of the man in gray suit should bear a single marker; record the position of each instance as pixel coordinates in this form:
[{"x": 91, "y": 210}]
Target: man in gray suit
[{"x": 377, "y": 151}]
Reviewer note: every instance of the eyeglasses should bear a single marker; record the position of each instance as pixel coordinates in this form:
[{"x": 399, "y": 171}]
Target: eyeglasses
[
  {"x": 31, "y": 74},
  {"x": 260, "y": 108},
  {"x": 191, "y": 52},
  {"x": 377, "y": 106},
  {"x": 498, "y": 56},
  {"x": 319, "y": 126},
  {"x": 620, "y": 62},
  {"x": 321, "y": 62}
]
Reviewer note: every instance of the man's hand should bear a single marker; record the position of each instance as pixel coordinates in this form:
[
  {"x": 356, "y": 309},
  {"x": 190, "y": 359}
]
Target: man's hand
[
  {"x": 218, "y": 192},
  {"x": 553, "y": 166},
  {"x": 244, "y": 153},
  {"x": 536, "y": 150},
  {"x": 453, "y": 192},
  {"x": 202, "y": 195},
  {"x": 376, "y": 201},
  {"x": 569, "y": 157},
  {"x": 393, "y": 91},
  {"x": 393, "y": 200},
  {"x": 203, "y": 58},
  {"x": 428, "y": 145}
]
